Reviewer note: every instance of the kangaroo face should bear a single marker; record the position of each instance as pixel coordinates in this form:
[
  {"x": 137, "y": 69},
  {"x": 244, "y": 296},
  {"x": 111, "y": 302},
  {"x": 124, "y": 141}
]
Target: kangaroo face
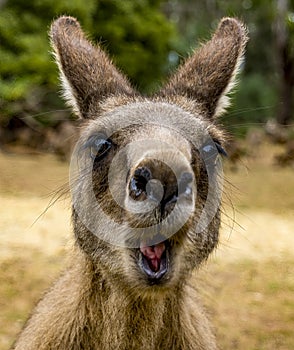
[{"x": 146, "y": 173}]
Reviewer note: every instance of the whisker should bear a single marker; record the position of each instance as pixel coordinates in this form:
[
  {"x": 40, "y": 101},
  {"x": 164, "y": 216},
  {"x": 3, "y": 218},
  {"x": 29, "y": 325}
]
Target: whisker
[
  {"x": 246, "y": 110},
  {"x": 56, "y": 196},
  {"x": 61, "y": 193},
  {"x": 46, "y": 113}
]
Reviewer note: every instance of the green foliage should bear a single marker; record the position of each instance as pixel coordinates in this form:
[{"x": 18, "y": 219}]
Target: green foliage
[
  {"x": 142, "y": 42},
  {"x": 254, "y": 102},
  {"x": 137, "y": 36},
  {"x": 135, "y": 32},
  {"x": 256, "y": 97}
]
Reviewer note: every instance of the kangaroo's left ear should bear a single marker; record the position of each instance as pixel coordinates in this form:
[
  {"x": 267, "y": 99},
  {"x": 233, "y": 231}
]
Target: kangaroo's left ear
[
  {"x": 209, "y": 74},
  {"x": 87, "y": 74}
]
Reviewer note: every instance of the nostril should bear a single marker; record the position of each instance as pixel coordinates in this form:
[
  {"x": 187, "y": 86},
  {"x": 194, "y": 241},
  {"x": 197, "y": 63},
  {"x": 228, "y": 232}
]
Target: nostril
[
  {"x": 138, "y": 183},
  {"x": 143, "y": 172},
  {"x": 185, "y": 183}
]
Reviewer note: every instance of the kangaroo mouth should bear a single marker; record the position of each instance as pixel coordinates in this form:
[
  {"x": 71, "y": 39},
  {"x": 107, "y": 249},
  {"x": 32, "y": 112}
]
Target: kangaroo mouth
[{"x": 154, "y": 261}]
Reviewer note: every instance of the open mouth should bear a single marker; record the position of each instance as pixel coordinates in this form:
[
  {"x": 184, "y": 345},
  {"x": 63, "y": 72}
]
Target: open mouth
[{"x": 154, "y": 261}]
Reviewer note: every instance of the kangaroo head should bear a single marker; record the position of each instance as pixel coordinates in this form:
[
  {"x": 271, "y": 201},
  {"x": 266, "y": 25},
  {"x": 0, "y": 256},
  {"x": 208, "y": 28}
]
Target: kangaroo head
[{"x": 146, "y": 172}]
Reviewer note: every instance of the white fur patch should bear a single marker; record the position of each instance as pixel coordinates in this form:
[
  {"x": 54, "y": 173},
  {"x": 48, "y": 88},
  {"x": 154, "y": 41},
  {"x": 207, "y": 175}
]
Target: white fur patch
[{"x": 67, "y": 90}]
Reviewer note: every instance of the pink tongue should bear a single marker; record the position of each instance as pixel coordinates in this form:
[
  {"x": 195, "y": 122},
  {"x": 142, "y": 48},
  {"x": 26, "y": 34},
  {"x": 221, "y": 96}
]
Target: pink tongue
[{"x": 153, "y": 254}]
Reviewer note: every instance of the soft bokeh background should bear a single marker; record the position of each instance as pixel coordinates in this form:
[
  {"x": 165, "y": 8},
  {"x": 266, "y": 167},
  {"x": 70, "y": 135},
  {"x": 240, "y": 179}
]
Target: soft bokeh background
[{"x": 248, "y": 285}]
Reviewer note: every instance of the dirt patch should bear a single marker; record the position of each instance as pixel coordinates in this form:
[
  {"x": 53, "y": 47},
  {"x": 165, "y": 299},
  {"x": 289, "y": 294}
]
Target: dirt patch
[
  {"x": 23, "y": 225},
  {"x": 256, "y": 235}
]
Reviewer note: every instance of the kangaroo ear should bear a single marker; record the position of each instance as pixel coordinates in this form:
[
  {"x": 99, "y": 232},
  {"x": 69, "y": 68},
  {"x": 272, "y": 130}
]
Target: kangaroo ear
[
  {"x": 86, "y": 72},
  {"x": 209, "y": 74}
]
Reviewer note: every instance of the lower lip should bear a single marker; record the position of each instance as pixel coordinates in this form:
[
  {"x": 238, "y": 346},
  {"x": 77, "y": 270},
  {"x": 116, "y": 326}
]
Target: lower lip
[{"x": 154, "y": 277}]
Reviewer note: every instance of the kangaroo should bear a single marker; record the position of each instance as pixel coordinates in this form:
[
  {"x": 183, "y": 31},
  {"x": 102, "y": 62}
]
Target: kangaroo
[{"x": 146, "y": 184}]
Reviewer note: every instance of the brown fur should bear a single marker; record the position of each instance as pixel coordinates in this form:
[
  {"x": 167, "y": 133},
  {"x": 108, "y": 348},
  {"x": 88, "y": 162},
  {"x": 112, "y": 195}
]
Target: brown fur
[{"x": 103, "y": 300}]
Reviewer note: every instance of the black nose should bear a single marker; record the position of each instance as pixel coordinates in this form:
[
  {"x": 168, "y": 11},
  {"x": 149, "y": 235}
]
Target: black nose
[{"x": 160, "y": 185}]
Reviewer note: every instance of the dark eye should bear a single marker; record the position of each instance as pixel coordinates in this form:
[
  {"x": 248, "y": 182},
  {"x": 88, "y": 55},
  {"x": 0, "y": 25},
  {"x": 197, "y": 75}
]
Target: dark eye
[
  {"x": 211, "y": 150},
  {"x": 99, "y": 146},
  {"x": 220, "y": 149}
]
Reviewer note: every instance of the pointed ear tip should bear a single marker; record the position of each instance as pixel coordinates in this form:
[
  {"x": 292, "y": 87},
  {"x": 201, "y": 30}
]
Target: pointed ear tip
[
  {"x": 230, "y": 21},
  {"x": 63, "y": 22},
  {"x": 235, "y": 25}
]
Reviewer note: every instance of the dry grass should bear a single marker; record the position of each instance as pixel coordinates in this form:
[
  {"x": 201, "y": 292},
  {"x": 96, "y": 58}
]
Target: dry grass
[
  {"x": 23, "y": 279},
  {"x": 248, "y": 285},
  {"x": 251, "y": 303}
]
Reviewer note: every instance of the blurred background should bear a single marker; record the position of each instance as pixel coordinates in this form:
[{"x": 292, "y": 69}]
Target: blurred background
[{"x": 248, "y": 285}]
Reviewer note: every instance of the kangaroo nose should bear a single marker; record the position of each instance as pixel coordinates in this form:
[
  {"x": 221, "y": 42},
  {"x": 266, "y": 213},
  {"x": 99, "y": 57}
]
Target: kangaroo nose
[{"x": 160, "y": 185}]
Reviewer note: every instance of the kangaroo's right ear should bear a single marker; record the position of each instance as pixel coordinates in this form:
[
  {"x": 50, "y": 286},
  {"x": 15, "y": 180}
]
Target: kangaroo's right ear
[
  {"x": 209, "y": 75},
  {"x": 86, "y": 72}
]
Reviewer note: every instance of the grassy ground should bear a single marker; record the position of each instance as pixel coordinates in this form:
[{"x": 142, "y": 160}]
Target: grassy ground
[{"x": 247, "y": 286}]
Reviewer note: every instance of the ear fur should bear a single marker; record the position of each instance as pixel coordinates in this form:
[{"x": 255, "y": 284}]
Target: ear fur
[
  {"x": 86, "y": 72},
  {"x": 209, "y": 74}
]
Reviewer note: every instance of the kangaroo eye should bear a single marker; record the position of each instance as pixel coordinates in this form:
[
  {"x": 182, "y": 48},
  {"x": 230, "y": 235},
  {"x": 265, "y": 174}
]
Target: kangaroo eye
[
  {"x": 99, "y": 146},
  {"x": 220, "y": 149},
  {"x": 210, "y": 151}
]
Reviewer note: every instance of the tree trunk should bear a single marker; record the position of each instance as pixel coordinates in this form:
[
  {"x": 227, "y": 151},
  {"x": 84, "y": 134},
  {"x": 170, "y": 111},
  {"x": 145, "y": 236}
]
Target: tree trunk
[{"x": 286, "y": 64}]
